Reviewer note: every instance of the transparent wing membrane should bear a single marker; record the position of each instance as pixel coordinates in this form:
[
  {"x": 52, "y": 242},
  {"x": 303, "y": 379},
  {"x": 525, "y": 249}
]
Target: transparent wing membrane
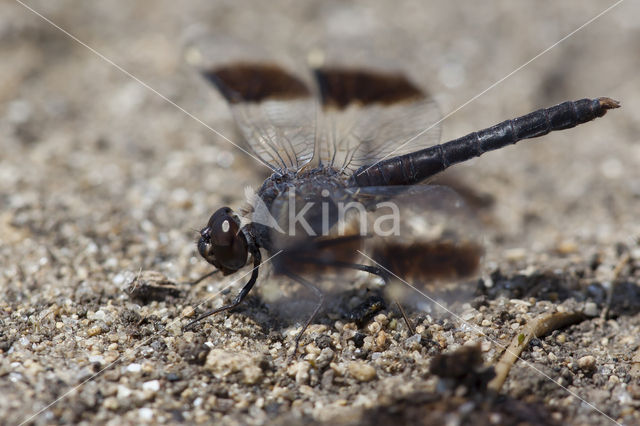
[
  {"x": 274, "y": 133},
  {"x": 272, "y": 105},
  {"x": 351, "y": 118},
  {"x": 435, "y": 247},
  {"x": 423, "y": 235},
  {"x": 369, "y": 107},
  {"x": 360, "y": 135}
]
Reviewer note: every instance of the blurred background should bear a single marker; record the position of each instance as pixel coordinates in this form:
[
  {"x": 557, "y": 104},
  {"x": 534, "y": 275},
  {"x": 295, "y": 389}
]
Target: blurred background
[
  {"x": 79, "y": 134},
  {"x": 100, "y": 176}
]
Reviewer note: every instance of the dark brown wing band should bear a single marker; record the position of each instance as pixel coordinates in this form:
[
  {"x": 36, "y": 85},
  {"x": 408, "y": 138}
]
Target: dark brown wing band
[
  {"x": 341, "y": 87},
  {"x": 430, "y": 261},
  {"x": 246, "y": 82}
]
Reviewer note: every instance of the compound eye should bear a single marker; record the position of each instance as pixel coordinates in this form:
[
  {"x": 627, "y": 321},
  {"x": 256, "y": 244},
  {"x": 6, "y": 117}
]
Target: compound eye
[
  {"x": 223, "y": 227},
  {"x": 222, "y": 243}
]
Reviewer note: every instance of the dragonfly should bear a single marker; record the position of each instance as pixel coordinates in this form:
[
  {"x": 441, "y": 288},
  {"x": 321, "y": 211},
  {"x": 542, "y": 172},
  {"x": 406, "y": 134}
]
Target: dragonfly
[{"x": 349, "y": 156}]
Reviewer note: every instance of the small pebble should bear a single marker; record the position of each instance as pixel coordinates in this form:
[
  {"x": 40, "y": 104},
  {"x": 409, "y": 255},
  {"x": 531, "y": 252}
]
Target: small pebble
[
  {"x": 302, "y": 372},
  {"x": 634, "y": 391},
  {"x": 222, "y": 363},
  {"x": 381, "y": 339},
  {"x": 393, "y": 324},
  {"x": 187, "y": 393},
  {"x": 339, "y": 369},
  {"x": 173, "y": 377},
  {"x": 111, "y": 403},
  {"x": 515, "y": 254},
  {"x": 590, "y": 309},
  {"x": 151, "y": 385},
  {"x": 94, "y": 331},
  {"x": 382, "y": 319},
  {"x": 96, "y": 358},
  {"x": 361, "y": 371},
  {"x": 325, "y": 357},
  {"x": 412, "y": 341},
  {"x": 134, "y": 368},
  {"x": 374, "y": 327},
  {"x": 567, "y": 247},
  {"x": 587, "y": 363},
  {"x": 175, "y": 328},
  {"x": 123, "y": 392},
  {"x": 146, "y": 414}
]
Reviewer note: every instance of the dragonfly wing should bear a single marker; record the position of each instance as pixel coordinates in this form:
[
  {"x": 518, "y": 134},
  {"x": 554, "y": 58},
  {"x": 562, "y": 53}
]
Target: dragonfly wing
[
  {"x": 370, "y": 110},
  {"x": 424, "y": 236},
  {"x": 272, "y": 104},
  {"x": 422, "y": 233}
]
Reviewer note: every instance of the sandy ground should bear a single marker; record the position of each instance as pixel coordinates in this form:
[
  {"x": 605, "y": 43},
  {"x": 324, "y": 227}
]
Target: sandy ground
[{"x": 102, "y": 181}]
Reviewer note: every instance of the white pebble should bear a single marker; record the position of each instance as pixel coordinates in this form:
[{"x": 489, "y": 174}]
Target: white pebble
[
  {"x": 146, "y": 414},
  {"x": 151, "y": 385},
  {"x": 590, "y": 309},
  {"x": 96, "y": 358},
  {"x": 123, "y": 392},
  {"x": 134, "y": 368}
]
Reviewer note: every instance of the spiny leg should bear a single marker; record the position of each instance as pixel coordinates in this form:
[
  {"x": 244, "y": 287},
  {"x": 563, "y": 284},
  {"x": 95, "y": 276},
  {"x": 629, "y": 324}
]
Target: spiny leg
[
  {"x": 374, "y": 270},
  {"x": 405, "y": 317},
  {"x": 257, "y": 258},
  {"x": 617, "y": 271},
  {"x": 318, "y": 292},
  {"x": 204, "y": 277}
]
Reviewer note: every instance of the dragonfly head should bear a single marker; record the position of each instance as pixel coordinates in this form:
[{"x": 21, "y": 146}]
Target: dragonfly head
[{"x": 222, "y": 243}]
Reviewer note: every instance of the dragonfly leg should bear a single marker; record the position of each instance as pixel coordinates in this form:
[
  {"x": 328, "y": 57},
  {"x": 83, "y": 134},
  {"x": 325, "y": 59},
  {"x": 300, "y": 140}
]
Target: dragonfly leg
[
  {"x": 374, "y": 270},
  {"x": 321, "y": 298},
  {"x": 385, "y": 276},
  {"x": 257, "y": 258},
  {"x": 204, "y": 277}
]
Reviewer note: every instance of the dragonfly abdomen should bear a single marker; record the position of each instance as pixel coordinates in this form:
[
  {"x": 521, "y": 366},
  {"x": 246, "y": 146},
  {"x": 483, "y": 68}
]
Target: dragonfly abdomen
[{"x": 415, "y": 167}]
